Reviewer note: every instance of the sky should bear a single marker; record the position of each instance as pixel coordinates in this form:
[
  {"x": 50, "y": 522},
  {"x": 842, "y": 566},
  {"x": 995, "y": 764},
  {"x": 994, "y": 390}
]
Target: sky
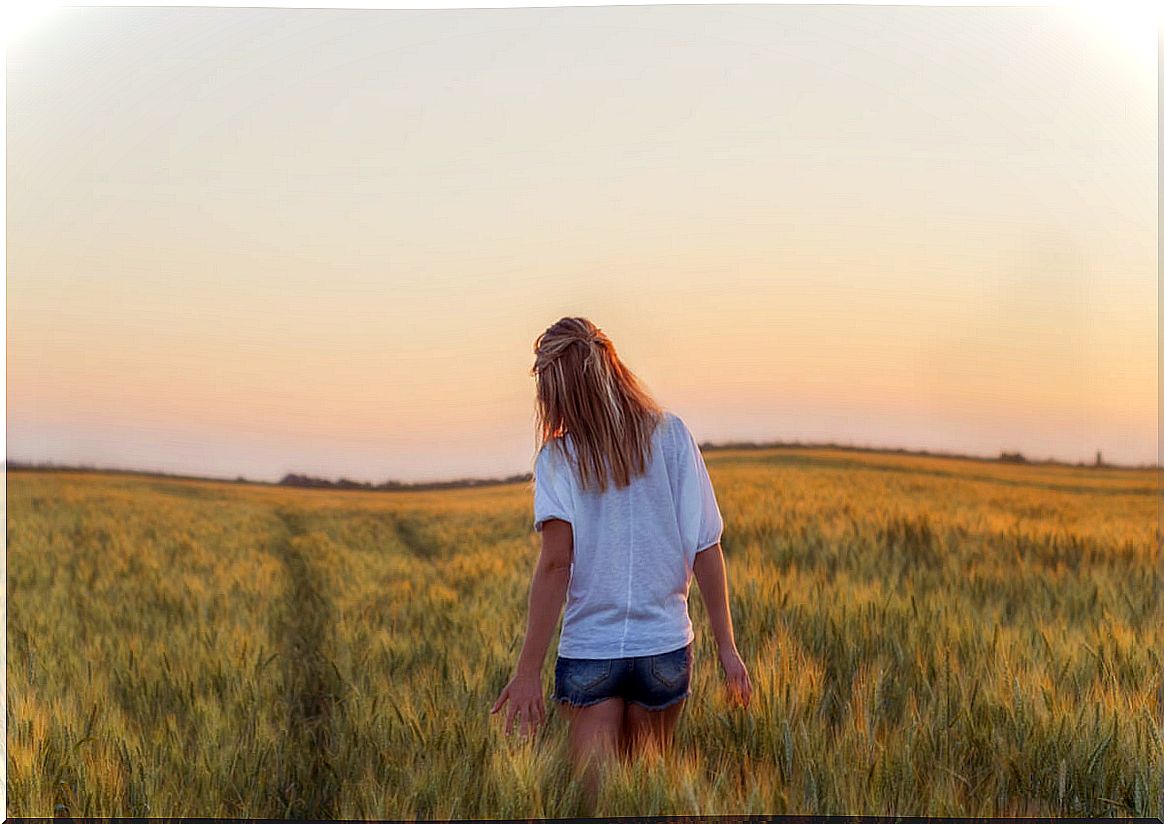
[{"x": 252, "y": 241}]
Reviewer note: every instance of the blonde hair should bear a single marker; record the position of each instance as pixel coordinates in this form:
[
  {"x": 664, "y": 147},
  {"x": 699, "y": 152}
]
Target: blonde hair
[{"x": 584, "y": 389}]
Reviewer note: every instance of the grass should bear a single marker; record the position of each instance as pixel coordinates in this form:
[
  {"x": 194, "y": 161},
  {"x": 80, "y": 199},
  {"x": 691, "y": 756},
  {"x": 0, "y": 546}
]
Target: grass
[{"x": 926, "y": 636}]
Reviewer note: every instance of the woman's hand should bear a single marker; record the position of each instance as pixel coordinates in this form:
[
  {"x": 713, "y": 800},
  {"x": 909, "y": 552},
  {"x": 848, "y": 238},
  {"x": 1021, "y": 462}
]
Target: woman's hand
[
  {"x": 524, "y": 694},
  {"x": 736, "y": 674}
]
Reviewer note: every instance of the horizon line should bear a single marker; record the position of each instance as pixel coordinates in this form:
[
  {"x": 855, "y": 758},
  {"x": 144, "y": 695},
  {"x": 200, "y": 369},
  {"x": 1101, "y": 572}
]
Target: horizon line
[{"x": 343, "y": 482}]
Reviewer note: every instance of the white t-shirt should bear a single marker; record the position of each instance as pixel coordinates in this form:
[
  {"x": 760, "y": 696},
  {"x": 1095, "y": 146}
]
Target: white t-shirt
[{"x": 633, "y": 547}]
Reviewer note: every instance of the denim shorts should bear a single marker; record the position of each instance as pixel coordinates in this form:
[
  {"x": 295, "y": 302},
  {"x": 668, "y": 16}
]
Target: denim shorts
[{"x": 653, "y": 681}]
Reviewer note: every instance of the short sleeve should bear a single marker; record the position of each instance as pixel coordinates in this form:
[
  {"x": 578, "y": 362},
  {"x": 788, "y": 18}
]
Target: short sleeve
[
  {"x": 700, "y": 521},
  {"x": 552, "y": 492}
]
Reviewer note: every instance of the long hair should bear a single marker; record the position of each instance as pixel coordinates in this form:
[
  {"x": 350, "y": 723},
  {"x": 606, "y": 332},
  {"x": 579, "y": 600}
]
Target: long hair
[{"x": 585, "y": 390}]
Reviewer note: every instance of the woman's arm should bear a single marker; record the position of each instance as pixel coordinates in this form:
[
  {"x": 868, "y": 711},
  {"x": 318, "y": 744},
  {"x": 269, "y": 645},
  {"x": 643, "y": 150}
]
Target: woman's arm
[
  {"x": 711, "y": 574},
  {"x": 547, "y": 593}
]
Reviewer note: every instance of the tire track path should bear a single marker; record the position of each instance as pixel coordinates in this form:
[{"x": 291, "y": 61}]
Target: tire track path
[{"x": 307, "y": 785}]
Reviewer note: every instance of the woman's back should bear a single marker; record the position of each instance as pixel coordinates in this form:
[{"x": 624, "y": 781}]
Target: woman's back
[
  {"x": 625, "y": 654},
  {"x": 633, "y": 547}
]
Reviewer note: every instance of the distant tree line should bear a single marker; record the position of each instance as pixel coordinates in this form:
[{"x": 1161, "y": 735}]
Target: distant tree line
[
  {"x": 1003, "y": 457},
  {"x": 309, "y": 481},
  {"x": 290, "y": 479}
]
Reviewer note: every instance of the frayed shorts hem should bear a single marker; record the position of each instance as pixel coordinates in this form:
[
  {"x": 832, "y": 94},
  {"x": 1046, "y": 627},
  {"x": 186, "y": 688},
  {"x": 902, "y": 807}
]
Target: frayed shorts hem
[
  {"x": 662, "y": 706},
  {"x": 580, "y": 704},
  {"x": 652, "y": 707}
]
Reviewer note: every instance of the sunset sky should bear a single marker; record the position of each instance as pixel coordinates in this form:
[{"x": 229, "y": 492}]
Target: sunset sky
[{"x": 256, "y": 241}]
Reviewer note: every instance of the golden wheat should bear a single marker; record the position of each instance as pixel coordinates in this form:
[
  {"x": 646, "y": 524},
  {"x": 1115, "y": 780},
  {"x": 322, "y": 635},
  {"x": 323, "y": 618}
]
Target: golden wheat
[{"x": 926, "y": 636}]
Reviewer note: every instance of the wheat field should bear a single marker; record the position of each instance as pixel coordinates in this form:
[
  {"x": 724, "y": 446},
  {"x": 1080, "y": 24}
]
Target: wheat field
[{"x": 925, "y": 635}]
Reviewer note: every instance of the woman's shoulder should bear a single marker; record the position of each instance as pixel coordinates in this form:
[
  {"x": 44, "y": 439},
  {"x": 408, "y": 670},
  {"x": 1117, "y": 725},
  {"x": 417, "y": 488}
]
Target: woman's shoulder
[
  {"x": 556, "y": 452},
  {"x": 672, "y": 423},
  {"x": 553, "y": 446}
]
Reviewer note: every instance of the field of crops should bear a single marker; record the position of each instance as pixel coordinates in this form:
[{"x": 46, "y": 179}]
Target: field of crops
[{"x": 925, "y": 636}]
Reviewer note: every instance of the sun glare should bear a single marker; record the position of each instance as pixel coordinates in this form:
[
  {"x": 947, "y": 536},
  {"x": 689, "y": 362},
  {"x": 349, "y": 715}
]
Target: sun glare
[
  {"x": 1132, "y": 27},
  {"x": 20, "y": 17}
]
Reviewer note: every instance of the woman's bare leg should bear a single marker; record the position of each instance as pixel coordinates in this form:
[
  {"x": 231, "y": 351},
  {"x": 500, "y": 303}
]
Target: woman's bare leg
[{"x": 595, "y": 735}]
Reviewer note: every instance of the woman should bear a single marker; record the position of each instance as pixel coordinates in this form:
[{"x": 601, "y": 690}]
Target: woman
[{"x": 627, "y": 515}]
